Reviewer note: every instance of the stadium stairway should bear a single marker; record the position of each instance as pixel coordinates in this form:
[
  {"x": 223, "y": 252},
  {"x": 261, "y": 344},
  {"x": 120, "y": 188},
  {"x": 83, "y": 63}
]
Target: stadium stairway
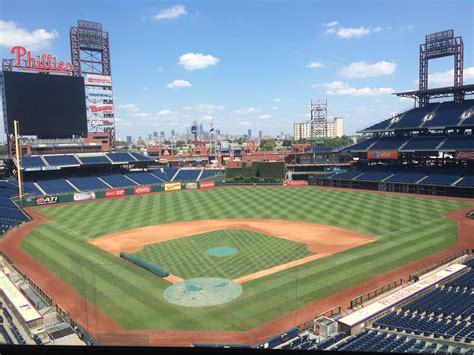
[
  {"x": 200, "y": 174},
  {"x": 105, "y": 182}
]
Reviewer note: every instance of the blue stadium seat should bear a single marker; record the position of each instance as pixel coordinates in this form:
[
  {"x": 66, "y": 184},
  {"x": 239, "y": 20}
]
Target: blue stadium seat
[
  {"x": 409, "y": 175},
  {"x": 61, "y": 160},
  {"x": 55, "y": 185},
  {"x": 423, "y": 143},
  {"x": 170, "y": 172},
  {"x": 143, "y": 178},
  {"x": 162, "y": 175},
  {"x": 141, "y": 157},
  {"x": 14, "y": 214},
  {"x": 362, "y": 146},
  {"x": 458, "y": 143},
  {"x": 467, "y": 181},
  {"x": 444, "y": 176},
  {"x": 390, "y": 143},
  {"x": 414, "y": 118},
  {"x": 31, "y": 189},
  {"x": 32, "y": 162},
  {"x": 117, "y": 180},
  {"x": 206, "y": 174},
  {"x": 86, "y": 183},
  {"x": 379, "y": 126},
  {"x": 8, "y": 189},
  {"x": 121, "y": 158},
  {"x": 95, "y": 160},
  {"x": 187, "y": 175},
  {"x": 349, "y": 175},
  {"x": 377, "y": 173},
  {"x": 448, "y": 114}
]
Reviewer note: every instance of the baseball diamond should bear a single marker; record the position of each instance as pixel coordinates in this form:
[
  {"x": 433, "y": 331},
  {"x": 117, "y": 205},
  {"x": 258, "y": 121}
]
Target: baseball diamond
[{"x": 408, "y": 228}]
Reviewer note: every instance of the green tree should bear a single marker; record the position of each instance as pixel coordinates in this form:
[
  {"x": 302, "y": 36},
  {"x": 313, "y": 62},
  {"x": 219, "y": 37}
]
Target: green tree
[{"x": 267, "y": 144}]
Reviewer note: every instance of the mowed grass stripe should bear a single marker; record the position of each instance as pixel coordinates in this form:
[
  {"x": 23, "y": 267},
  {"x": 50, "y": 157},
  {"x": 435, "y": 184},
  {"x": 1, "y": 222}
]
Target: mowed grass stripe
[{"x": 409, "y": 228}]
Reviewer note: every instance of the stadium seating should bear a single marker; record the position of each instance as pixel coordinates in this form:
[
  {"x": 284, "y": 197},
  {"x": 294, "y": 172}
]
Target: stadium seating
[
  {"x": 379, "y": 126},
  {"x": 121, "y": 158},
  {"x": 377, "y": 173},
  {"x": 31, "y": 189},
  {"x": 160, "y": 174},
  {"x": 467, "y": 181},
  {"x": 61, "y": 160},
  {"x": 140, "y": 157},
  {"x": 460, "y": 142},
  {"x": 206, "y": 174},
  {"x": 409, "y": 175},
  {"x": 444, "y": 176},
  {"x": 95, "y": 160},
  {"x": 414, "y": 118},
  {"x": 8, "y": 189},
  {"x": 187, "y": 175},
  {"x": 86, "y": 183},
  {"x": 362, "y": 146},
  {"x": 117, "y": 180},
  {"x": 391, "y": 143},
  {"x": 170, "y": 172},
  {"x": 55, "y": 185},
  {"x": 14, "y": 214},
  {"x": 348, "y": 175},
  {"x": 448, "y": 114},
  {"x": 31, "y": 162},
  {"x": 423, "y": 143},
  {"x": 143, "y": 178}
]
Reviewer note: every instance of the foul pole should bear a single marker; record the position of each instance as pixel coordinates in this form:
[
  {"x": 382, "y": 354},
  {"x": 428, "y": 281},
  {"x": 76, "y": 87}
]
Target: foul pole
[{"x": 18, "y": 162}]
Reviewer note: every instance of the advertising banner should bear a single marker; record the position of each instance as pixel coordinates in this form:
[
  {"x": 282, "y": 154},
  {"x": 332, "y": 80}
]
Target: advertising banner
[
  {"x": 173, "y": 186},
  {"x": 383, "y": 154},
  {"x": 97, "y": 80},
  {"x": 101, "y": 108},
  {"x": 114, "y": 193},
  {"x": 191, "y": 185},
  {"x": 100, "y": 122},
  {"x": 207, "y": 185},
  {"x": 48, "y": 200},
  {"x": 140, "y": 190},
  {"x": 295, "y": 183},
  {"x": 98, "y": 93},
  {"x": 84, "y": 196},
  {"x": 465, "y": 155}
]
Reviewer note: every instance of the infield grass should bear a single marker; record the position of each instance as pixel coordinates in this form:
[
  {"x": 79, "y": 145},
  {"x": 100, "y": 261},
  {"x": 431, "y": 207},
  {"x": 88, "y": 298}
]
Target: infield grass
[
  {"x": 408, "y": 228},
  {"x": 187, "y": 258}
]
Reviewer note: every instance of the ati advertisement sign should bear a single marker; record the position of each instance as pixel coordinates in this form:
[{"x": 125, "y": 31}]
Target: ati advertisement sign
[
  {"x": 115, "y": 193},
  {"x": 140, "y": 190},
  {"x": 100, "y": 122},
  {"x": 207, "y": 184},
  {"x": 191, "y": 185},
  {"x": 84, "y": 196},
  {"x": 49, "y": 200},
  {"x": 173, "y": 186},
  {"x": 383, "y": 154},
  {"x": 97, "y": 80},
  {"x": 295, "y": 183},
  {"x": 44, "y": 63},
  {"x": 465, "y": 155}
]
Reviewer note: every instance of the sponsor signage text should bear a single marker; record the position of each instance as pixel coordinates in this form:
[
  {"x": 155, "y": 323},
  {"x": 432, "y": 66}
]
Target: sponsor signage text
[
  {"x": 173, "y": 186},
  {"x": 295, "y": 183},
  {"x": 382, "y": 154},
  {"x": 465, "y": 155},
  {"x": 207, "y": 184},
  {"x": 84, "y": 196},
  {"x": 45, "y": 62},
  {"x": 191, "y": 185},
  {"x": 115, "y": 193},
  {"x": 139, "y": 190},
  {"x": 98, "y": 80},
  {"x": 48, "y": 200}
]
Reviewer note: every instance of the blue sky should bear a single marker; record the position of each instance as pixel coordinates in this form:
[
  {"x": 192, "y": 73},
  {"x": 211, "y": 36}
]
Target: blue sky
[{"x": 250, "y": 64}]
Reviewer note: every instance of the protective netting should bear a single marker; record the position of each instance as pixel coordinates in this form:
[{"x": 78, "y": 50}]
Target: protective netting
[{"x": 202, "y": 292}]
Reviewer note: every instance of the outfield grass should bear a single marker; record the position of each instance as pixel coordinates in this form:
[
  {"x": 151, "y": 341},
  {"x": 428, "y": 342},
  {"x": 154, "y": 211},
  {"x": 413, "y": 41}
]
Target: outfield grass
[
  {"x": 408, "y": 228},
  {"x": 187, "y": 257}
]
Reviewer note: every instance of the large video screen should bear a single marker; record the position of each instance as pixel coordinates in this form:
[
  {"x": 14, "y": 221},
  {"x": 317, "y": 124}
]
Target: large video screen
[{"x": 47, "y": 106}]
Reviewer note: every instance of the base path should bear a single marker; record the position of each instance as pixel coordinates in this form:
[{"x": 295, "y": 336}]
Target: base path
[
  {"x": 108, "y": 332},
  {"x": 320, "y": 239}
]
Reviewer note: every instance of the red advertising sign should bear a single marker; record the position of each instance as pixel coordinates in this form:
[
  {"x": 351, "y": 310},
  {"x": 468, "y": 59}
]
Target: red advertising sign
[
  {"x": 383, "y": 154},
  {"x": 207, "y": 185},
  {"x": 115, "y": 193},
  {"x": 465, "y": 155},
  {"x": 49, "y": 200},
  {"x": 45, "y": 62},
  {"x": 139, "y": 190},
  {"x": 295, "y": 183},
  {"x": 100, "y": 108}
]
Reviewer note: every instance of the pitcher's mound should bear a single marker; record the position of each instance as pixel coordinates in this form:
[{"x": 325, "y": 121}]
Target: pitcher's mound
[{"x": 202, "y": 292}]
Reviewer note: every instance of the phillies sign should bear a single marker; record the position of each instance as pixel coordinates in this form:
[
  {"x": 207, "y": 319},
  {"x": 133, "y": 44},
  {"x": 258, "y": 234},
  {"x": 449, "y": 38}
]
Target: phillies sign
[{"x": 45, "y": 62}]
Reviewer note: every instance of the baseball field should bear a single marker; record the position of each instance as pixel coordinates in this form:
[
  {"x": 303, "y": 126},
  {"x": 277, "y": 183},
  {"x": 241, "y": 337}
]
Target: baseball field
[{"x": 191, "y": 234}]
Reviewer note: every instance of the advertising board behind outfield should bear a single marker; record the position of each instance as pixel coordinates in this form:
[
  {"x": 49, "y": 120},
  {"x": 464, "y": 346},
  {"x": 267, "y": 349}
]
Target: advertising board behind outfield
[
  {"x": 84, "y": 196},
  {"x": 48, "y": 200},
  {"x": 114, "y": 193},
  {"x": 140, "y": 190},
  {"x": 207, "y": 184},
  {"x": 295, "y": 183},
  {"x": 173, "y": 186}
]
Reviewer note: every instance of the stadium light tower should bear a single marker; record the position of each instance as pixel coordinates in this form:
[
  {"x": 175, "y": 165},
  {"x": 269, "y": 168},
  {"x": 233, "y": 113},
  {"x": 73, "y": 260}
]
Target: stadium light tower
[{"x": 90, "y": 56}]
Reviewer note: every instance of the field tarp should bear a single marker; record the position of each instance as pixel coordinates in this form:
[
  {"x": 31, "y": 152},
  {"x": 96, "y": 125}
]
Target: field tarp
[{"x": 153, "y": 268}]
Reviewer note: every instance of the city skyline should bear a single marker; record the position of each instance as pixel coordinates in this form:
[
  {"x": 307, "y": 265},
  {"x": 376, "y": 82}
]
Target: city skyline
[{"x": 221, "y": 62}]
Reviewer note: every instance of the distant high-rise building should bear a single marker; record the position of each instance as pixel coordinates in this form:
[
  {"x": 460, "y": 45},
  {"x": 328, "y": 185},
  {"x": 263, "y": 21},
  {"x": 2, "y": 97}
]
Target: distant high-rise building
[
  {"x": 139, "y": 138},
  {"x": 173, "y": 133},
  {"x": 150, "y": 137},
  {"x": 249, "y": 133},
  {"x": 129, "y": 139},
  {"x": 201, "y": 129},
  {"x": 162, "y": 134},
  {"x": 282, "y": 135},
  {"x": 155, "y": 134},
  {"x": 260, "y": 134},
  {"x": 318, "y": 125}
]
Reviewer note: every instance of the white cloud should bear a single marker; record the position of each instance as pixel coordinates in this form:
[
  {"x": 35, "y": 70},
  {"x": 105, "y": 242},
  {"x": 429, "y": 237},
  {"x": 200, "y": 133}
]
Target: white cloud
[
  {"x": 275, "y": 108},
  {"x": 276, "y": 100},
  {"x": 206, "y": 118},
  {"x": 204, "y": 108},
  {"x": 170, "y": 13},
  {"x": 352, "y": 32},
  {"x": 178, "y": 84},
  {"x": 129, "y": 107},
  {"x": 264, "y": 117},
  {"x": 446, "y": 78},
  {"x": 11, "y": 34},
  {"x": 141, "y": 114},
  {"x": 245, "y": 123},
  {"x": 332, "y": 24},
  {"x": 377, "y": 29},
  {"x": 314, "y": 65},
  {"x": 193, "y": 61},
  {"x": 363, "y": 69},
  {"x": 246, "y": 110},
  {"x": 341, "y": 89},
  {"x": 164, "y": 113},
  {"x": 146, "y": 88}
]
